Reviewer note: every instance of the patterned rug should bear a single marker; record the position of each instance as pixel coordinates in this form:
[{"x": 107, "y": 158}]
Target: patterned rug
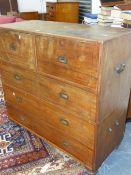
[{"x": 22, "y": 153}]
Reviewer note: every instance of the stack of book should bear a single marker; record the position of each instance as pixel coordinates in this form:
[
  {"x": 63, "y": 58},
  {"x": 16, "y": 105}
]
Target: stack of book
[
  {"x": 104, "y": 17},
  {"x": 116, "y": 14},
  {"x": 126, "y": 16}
]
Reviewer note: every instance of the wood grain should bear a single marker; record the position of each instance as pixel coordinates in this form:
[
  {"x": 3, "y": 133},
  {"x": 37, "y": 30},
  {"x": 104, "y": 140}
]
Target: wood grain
[
  {"x": 16, "y": 47},
  {"x": 46, "y": 112},
  {"x": 62, "y": 11},
  {"x": 74, "y": 84}
]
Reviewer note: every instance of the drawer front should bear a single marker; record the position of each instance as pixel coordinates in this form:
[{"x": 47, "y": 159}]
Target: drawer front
[
  {"x": 110, "y": 133},
  {"x": 48, "y": 132},
  {"x": 18, "y": 77},
  {"x": 76, "y": 100},
  {"x": 70, "y": 59},
  {"x": 17, "y": 48},
  {"x": 46, "y": 112},
  {"x": 50, "y": 17},
  {"x": 50, "y": 7},
  {"x": 129, "y": 108}
]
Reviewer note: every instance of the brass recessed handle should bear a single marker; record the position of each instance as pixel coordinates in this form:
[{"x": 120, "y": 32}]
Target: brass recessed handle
[
  {"x": 12, "y": 46},
  {"x": 64, "y": 96},
  {"x": 63, "y": 59},
  {"x": 110, "y": 130},
  {"x": 17, "y": 76},
  {"x": 120, "y": 68},
  {"x": 66, "y": 144},
  {"x": 64, "y": 121},
  {"x": 117, "y": 123},
  {"x": 18, "y": 99}
]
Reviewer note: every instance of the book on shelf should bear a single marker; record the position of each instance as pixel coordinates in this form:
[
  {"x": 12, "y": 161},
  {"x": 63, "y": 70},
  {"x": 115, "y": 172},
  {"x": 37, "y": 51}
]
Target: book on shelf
[
  {"x": 101, "y": 16},
  {"x": 115, "y": 13},
  {"x": 125, "y": 25},
  {"x": 105, "y": 20},
  {"x": 106, "y": 10},
  {"x": 104, "y": 24},
  {"x": 126, "y": 15},
  {"x": 118, "y": 9},
  {"x": 127, "y": 21}
]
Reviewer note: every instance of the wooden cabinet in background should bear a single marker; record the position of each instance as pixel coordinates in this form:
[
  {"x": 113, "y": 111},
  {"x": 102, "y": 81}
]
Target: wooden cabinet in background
[
  {"x": 62, "y": 11},
  {"x": 68, "y": 83},
  {"x": 34, "y": 15}
]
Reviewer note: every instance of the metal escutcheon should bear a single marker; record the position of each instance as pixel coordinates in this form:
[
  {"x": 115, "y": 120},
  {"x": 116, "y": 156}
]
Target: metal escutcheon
[
  {"x": 66, "y": 144},
  {"x": 117, "y": 123},
  {"x": 64, "y": 122},
  {"x": 63, "y": 59},
  {"x": 64, "y": 96},
  {"x": 110, "y": 130},
  {"x": 120, "y": 68},
  {"x": 17, "y": 76}
]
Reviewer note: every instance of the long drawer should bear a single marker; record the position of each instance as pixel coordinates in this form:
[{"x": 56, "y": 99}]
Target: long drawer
[
  {"x": 73, "y": 60},
  {"x": 16, "y": 47},
  {"x": 60, "y": 120},
  {"x": 46, "y": 131},
  {"x": 76, "y": 100},
  {"x": 21, "y": 78},
  {"x": 62, "y": 94}
]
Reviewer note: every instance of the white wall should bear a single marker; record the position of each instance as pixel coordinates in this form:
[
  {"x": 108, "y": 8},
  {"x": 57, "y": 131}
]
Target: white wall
[
  {"x": 95, "y": 6},
  {"x": 40, "y": 5},
  {"x": 31, "y": 5}
]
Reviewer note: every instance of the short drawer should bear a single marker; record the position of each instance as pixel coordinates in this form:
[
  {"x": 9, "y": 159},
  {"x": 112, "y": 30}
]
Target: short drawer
[
  {"x": 110, "y": 133},
  {"x": 64, "y": 122},
  {"x": 49, "y": 133},
  {"x": 50, "y": 7},
  {"x": 73, "y": 60},
  {"x": 50, "y": 17},
  {"x": 17, "y": 47},
  {"x": 82, "y": 103},
  {"x": 18, "y": 77}
]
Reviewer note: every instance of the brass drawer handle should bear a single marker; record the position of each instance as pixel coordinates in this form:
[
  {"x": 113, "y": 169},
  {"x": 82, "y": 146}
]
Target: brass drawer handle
[
  {"x": 120, "y": 68},
  {"x": 110, "y": 130},
  {"x": 64, "y": 96},
  {"x": 12, "y": 46},
  {"x": 64, "y": 122},
  {"x": 63, "y": 59},
  {"x": 66, "y": 144},
  {"x": 18, "y": 76},
  {"x": 117, "y": 123},
  {"x": 18, "y": 99}
]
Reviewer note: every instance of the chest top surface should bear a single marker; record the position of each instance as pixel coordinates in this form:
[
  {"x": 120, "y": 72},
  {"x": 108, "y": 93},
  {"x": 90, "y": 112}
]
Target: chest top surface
[{"x": 81, "y": 31}]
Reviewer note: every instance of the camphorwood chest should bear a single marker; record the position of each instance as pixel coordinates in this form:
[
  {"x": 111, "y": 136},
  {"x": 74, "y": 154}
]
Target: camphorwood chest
[{"x": 69, "y": 84}]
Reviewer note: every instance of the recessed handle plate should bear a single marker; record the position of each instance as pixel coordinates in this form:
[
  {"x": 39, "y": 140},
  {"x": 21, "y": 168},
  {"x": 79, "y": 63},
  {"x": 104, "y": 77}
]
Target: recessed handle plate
[
  {"x": 64, "y": 122},
  {"x": 64, "y": 96},
  {"x": 120, "y": 68},
  {"x": 63, "y": 59}
]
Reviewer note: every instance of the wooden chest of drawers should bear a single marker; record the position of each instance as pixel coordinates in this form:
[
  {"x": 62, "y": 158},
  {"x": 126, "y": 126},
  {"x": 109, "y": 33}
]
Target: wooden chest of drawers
[
  {"x": 62, "y": 11},
  {"x": 69, "y": 84}
]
